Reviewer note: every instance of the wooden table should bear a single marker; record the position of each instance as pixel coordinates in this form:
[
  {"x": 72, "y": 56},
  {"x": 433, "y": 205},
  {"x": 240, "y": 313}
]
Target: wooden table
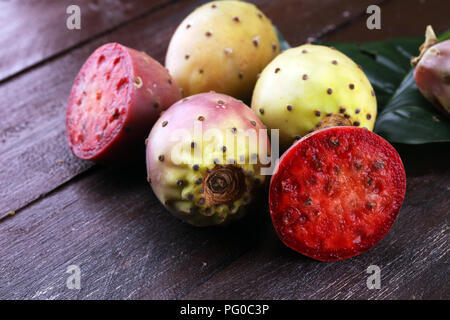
[{"x": 58, "y": 211}]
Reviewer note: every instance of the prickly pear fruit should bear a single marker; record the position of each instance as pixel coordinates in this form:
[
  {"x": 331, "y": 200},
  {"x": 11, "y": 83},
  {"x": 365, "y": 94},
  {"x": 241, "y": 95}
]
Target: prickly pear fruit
[
  {"x": 116, "y": 98},
  {"x": 336, "y": 193},
  {"x": 204, "y": 158},
  {"x": 305, "y": 86},
  {"x": 222, "y": 46},
  {"x": 432, "y": 73}
]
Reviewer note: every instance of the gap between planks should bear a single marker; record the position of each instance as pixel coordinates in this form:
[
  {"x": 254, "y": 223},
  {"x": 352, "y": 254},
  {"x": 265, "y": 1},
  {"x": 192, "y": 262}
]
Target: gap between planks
[{"x": 94, "y": 37}]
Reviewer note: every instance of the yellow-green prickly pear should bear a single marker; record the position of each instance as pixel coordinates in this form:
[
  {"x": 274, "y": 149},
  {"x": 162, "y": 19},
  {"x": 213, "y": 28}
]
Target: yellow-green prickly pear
[
  {"x": 222, "y": 46},
  {"x": 310, "y": 86}
]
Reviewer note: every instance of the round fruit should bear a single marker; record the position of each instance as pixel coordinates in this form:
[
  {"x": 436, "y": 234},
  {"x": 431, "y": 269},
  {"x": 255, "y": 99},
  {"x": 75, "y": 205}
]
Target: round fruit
[
  {"x": 336, "y": 193},
  {"x": 307, "y": 85},
  {"x": 222, "y": 46},
  {"x": 204, "y": 158}
]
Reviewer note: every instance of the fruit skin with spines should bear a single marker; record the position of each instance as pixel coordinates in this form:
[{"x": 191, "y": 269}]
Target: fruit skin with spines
[
  {"x": 222, "y": 46},
  {"x": 196, "y": 165},
  {"x": 336, "y": 193},
  {"x": 306, "y": 86},
  {"x": 117, "y": 96},
  {"x": 432, "y": 72}
]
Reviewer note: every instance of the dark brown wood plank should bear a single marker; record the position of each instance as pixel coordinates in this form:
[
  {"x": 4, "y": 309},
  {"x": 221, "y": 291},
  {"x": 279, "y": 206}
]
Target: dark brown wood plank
[
  {"x": 413, "y": 257},
  {"x": 33, "y": 149},
  {"x": 302, "y": 21},
  {"x": 35, "y": 30},
  {"x": 126, "y": 244},
  {"x": 399, "y": 18}
]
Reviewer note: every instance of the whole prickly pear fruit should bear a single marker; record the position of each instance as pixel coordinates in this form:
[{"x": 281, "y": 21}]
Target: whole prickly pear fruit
[
  {"x": 204, "y": 158},
  {"x": 222, "y": 46},
  {"x": 432, "y": 73},
  {"x": 313, "y": 86},
  {"x": 336, "y": 193}
]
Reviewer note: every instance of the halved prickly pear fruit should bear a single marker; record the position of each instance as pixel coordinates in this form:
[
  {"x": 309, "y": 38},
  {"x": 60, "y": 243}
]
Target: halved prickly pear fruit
[
  {"x": 432, "y": 73},
  {"x": 222, "y": 46},
  {"x": 305, "y": 87},
  {"x": 205, "y": 157},
  {"x": 336, "y": 193},
  {"x": 116, "y": 98}
]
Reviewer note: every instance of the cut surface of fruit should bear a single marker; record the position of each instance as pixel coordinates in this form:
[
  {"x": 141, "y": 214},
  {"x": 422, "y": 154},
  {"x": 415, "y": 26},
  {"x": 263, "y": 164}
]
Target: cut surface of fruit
[
  {"x": 116, "y": 98},
  {"x": 336, "y": 193},
  {"x": 99, "y": 100}
]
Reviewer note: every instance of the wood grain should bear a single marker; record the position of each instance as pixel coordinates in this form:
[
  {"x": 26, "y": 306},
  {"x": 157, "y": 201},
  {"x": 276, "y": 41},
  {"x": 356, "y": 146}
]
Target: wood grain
[
  {"x": 399, "y": 18},
  {"x": 127, "y": 245},
  {"x": 38, "y": 30}
]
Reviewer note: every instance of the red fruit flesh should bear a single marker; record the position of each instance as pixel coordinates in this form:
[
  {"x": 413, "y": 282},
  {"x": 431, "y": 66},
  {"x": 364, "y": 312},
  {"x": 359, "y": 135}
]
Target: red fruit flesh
[
  {"x": 116, "y": 98},
  {"x": 336, "y": 193}
]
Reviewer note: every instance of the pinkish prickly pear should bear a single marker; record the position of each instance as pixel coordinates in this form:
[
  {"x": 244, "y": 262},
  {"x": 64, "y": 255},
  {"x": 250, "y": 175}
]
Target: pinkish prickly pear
[
  {"x": 432, "y": 73},
  {"x": 222, "y": 46},
  {"x": 204, "y": 158},
  {"x": 311, "y": 87}
]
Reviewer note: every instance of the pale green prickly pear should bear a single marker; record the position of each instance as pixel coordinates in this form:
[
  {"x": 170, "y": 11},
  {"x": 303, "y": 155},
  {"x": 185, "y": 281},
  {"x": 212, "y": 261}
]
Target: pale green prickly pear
[
  {"x": 222, "y": 46},
  {"x": 310, "y": 87}
]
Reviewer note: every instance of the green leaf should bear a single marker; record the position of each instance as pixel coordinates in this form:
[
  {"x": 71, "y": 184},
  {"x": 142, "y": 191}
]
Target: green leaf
[
  {"x": 404, "y": 115},
  {"x": 409, "y": 117},
  {"x": 385, "y": 63}
]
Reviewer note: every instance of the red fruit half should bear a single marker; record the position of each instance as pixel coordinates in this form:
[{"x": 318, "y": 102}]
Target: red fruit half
[
  {"x": 115, "y": 100},
  {"x": 336, "y": 193}
]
